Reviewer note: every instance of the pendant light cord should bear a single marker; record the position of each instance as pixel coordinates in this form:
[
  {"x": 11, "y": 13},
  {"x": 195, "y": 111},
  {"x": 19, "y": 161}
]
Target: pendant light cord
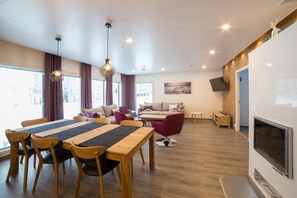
[
  {"x": 107, "y": 41},
  {"x": 57, "y": 47}
]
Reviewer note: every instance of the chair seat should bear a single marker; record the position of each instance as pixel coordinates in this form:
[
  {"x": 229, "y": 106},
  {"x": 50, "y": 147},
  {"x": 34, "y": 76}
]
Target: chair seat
[
  {"x": 90, "y": 168},
  {"x": 29, "y": 149},
  {"x": 62, "y": 155}
]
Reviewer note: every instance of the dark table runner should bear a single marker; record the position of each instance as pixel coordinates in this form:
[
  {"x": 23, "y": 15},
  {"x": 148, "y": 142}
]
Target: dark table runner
[
  {"x": 49, "y": 126},
  {"x": 111, "y": 137}
]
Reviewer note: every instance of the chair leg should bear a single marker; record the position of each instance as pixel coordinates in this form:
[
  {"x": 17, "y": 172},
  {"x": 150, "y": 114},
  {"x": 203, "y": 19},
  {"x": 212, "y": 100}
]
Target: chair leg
[
  {"x": 141, "y": 154},
  {"x": 56, "y": 181},
  {"x": 119, "y": 176},
  {"x": 79, "y": 177},
  {"x": 37, "y": 175},
  {"x": 26, "y": 172},
  {"x": 34, "y": 165},
  {"x": 12, "y": 162},
  {"x": 132, "y": 170},
  {"x": 63, "y": 167},
  {"x": 101, "y": 186},
  {"x": 21, "y": 161}
]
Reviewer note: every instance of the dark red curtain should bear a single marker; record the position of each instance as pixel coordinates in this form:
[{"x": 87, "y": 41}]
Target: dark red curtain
[
  {"x": 109, "y": 91},
  {"x": 86, "y": 85},
  {"x": 53, "y": 91},
  {"x": 128, "y": 91}
]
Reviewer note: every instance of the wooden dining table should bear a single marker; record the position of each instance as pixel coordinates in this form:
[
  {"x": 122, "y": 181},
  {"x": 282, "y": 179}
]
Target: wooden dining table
[{"x": 121, "y": 142}]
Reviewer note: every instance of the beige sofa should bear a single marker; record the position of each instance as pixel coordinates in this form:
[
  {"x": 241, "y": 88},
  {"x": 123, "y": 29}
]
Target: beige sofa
[
  {"x": 162, "y": 108},
  {"x": 104, "y": 111}
]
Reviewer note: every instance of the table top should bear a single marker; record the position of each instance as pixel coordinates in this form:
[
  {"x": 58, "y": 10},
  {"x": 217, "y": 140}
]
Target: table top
[
  {"x": 152, "y": 116},
  {"x": 86, "y": 133}
]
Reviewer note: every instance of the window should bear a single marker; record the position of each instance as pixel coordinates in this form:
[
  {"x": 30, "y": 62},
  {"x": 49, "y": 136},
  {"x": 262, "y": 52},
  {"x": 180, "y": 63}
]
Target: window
[
  {"x": 98, "y": 88},
  {"x": 71, "y": 96},
  {"x": 143, "y": 93},
  {"x": 116, "y": 88},
  {"x": 21, "y": 98}
]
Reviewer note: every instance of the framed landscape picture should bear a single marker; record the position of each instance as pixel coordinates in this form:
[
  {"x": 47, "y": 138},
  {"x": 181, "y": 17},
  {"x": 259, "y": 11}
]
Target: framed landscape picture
[{"x": 177, "y": 88}]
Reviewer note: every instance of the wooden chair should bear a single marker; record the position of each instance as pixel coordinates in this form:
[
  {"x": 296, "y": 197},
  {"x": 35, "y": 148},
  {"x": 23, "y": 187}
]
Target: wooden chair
[
  {"x": 16, "y": 138},
  {"x": 80, "y": 118},
  {"x": 89, "y": 162},
  {"x": 54, "y": 157},
  {"x": 137, "y": 124},
  {"x": 26, "y": 123},
  {"x": 102, "y": 120}
]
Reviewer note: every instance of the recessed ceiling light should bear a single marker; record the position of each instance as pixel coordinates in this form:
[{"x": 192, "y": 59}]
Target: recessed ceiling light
[
  {"x": 129, "y": 40},
  {"x": 212, "y": 52},
  {"x": 225, "y": 26},
  {"x": 162, "y": 69},
  {"x": 269, "y": 64},
  {"x": 203, "y": 66},
  {"x": 133, "y": 71}
]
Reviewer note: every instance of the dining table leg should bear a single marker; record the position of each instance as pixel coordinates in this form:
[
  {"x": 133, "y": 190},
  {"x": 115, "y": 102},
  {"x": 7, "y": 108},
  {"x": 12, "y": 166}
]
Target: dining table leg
[
  {"x": 152, "y": 152},
  {"x": 125, "y": 163}
]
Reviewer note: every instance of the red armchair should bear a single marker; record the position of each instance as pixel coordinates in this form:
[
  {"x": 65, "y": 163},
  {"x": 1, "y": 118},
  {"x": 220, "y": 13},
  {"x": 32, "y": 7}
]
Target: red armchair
[
  {"x": 119, "y": 116},
  {"x": 172, "y": 125}
]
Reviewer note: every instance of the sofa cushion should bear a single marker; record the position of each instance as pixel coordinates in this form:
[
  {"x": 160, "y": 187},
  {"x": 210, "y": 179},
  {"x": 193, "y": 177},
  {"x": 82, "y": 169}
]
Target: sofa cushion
[
  {"x": 123, "y": 109},
  {"x": 98, "y": 110},
  {"x": 108, "y": 109},
  {"x": 156, "y": 106},
  {"x": 180, "y": 108},
  {"x": 165, "y": 106}
]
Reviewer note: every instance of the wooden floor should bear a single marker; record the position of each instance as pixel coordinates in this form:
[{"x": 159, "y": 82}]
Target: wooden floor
[{"x": 190, "y": 169}]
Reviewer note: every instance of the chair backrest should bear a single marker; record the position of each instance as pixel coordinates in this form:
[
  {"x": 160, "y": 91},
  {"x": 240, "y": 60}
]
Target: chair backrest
[
  {"x": 102, "y": 120},
  {"x": 80, "y": 118},
  {"x": 91, "y": 152},
  {"x": 45, "y": 144},
  {"x": 174, "y": 123},
  {"x": 33, "y": 122},
  {"x": 15, "y": 137},
  {"x": 132, "y": 123}
]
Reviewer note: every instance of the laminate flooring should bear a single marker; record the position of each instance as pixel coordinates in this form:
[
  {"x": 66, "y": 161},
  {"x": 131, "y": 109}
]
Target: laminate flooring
[{"x": 191, "y": 169}]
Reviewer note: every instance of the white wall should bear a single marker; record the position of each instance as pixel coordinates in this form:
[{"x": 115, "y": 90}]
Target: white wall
[
  {"x": 273, "y": 95},
  {"x": 202, "y": 97}
]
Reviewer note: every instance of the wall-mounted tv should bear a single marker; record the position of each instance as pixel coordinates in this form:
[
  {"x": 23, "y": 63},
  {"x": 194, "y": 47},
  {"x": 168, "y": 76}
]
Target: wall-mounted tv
[
  {"x": 274, "y": 142},
  {"x": 218, "y": 84}
]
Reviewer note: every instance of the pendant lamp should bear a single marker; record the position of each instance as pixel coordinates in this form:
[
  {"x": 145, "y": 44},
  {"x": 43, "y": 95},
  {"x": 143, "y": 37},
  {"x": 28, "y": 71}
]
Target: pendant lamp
[
  {"x": 107, "y": 70},
  {"x": 56, "y": 75}
]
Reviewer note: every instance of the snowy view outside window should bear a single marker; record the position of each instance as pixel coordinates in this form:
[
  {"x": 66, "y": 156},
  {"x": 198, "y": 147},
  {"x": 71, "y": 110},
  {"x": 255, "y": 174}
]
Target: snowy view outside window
[
  {"x": 71, "y": 96},
  {"x": 98, "y": 87},
  {"x": 143, "y": 93},
  {"x": 21, "y": 98},
  {"x": 116, "y": 89}
]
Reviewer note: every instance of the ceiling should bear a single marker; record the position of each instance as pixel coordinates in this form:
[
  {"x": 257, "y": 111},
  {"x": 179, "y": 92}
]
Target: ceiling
[{"x": 169, "y": 34}]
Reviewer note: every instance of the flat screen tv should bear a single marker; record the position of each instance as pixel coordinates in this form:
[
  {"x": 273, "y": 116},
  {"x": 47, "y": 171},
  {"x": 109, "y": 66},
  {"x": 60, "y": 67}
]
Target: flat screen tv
[
  {"x": 274, "y": 142},
  {"x": 218, "y": 84}
]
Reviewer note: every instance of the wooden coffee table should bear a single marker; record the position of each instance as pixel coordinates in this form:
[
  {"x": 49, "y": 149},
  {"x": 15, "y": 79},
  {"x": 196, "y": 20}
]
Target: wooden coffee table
[{"x": 152, "y": 117}]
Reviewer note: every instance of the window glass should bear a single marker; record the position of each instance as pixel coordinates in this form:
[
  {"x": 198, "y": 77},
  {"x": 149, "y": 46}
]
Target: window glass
[
  {"x": 116, "y": 93},
  {"x": 21, "y": 98},
  {"x": 144, "y": 93},
  {"x": 98, "y": 87},
  {"x": 71, "y": 96}
]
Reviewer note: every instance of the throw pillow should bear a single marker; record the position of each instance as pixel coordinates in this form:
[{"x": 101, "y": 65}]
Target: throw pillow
[
  {"x": 180, "y": 108},
  {"x": 123, "y": 109},
  {"x": 145, "y": 107},
  {"x": 93, "y": 115},
  {"x": 173, "y": 108}
]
